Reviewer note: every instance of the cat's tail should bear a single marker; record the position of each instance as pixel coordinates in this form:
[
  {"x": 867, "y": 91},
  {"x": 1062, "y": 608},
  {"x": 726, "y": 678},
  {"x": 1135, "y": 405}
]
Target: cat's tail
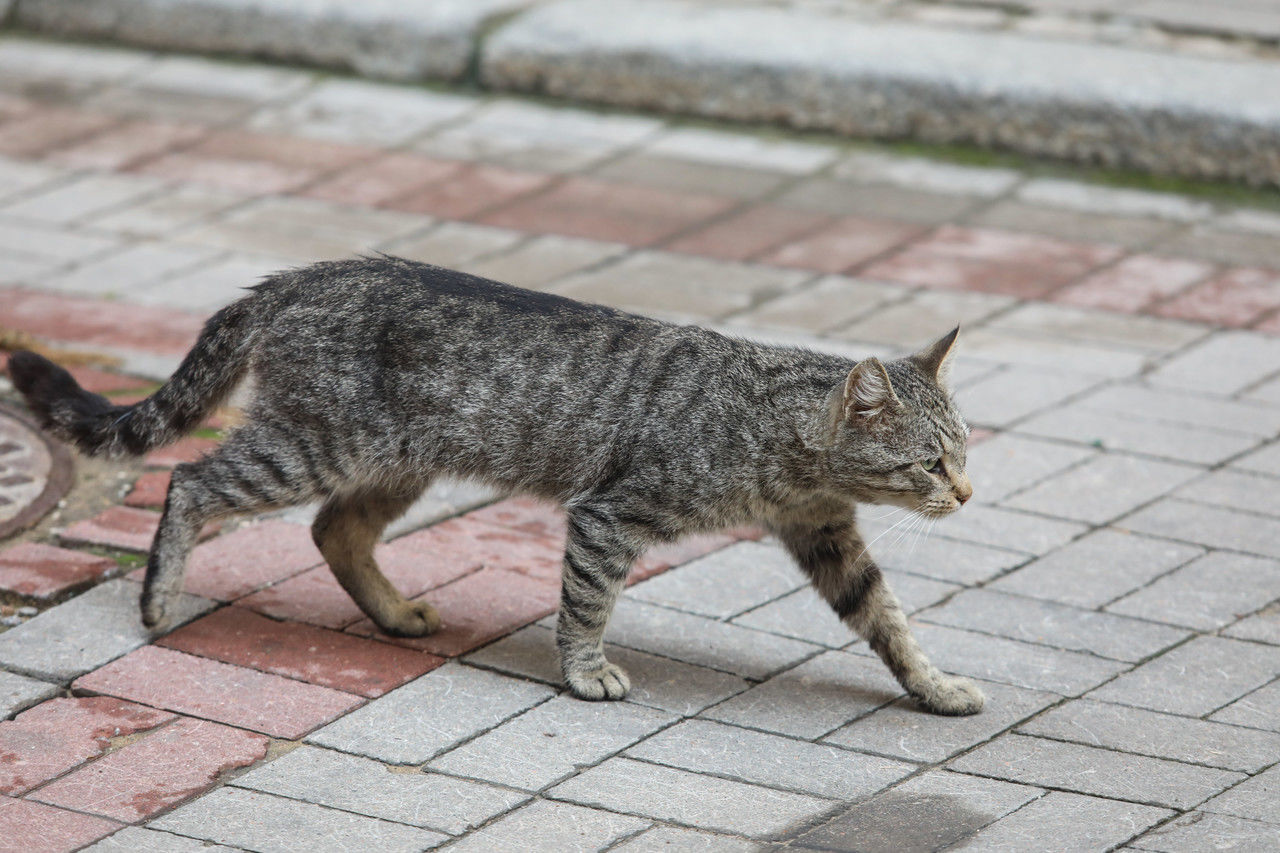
[{"x": 94, "y": 424}]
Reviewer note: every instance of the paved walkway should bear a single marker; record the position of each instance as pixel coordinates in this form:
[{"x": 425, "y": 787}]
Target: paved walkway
[{"x": 1112, "y": 584}]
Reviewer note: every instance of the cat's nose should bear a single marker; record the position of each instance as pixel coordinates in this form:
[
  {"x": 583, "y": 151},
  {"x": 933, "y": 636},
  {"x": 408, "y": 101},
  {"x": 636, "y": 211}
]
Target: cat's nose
[{"x": 964, "y": 489}]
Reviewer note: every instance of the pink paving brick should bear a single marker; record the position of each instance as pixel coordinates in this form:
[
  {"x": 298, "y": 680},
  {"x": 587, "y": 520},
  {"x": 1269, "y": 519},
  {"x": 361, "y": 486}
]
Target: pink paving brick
[
  {"x": 45, "y": 128},
  {"x": 750, "y": 233},
  {"x": 188, "y": 449},
  {"x": 149, "y": 490},
  {"x": 395, "y": 175},
  {"x": 1269, "y": 324},
  {"x": 351, "y": 664},
  {"x": 845, "y": 243},
  {"x": 464, "y": 542},
  {"x": 476, "y": 609},
  {"x": 127, "y": 144},
  {"x": 44, "y": 572},
  {"x": 1238, "y": 297},
  {"x": 124, "y": 527},
  {"x": 197, "y": 687},
  {"x": 36, "y": 828},
  {"x": 1134, "y": 283},
  {"x": 13, "y": 106},
  {"x": 93, "y": 321},
  {"x": 255, "y": 163},
  {"x": 55, "y": 736},
  {"x": 102, "y": 382},
  {"x": 601, "y": 210},
  {"x": 537, "y": 518},
  {"x": 469, "y": 191},
  {"x": 979, "y": 435},
  {"x": 167, "y": 766}
]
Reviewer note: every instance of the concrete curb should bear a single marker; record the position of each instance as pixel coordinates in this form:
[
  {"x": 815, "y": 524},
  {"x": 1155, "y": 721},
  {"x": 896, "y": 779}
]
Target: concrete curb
[{"x": 1069, "y": 100}]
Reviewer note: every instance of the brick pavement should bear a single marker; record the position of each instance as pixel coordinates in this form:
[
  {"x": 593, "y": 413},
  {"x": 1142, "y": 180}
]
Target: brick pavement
[{"x": 1114, "y": 582}]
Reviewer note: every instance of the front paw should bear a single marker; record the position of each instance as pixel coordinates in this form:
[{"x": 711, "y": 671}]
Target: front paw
[
  {"x": 410, "y": 619},
  {"x": 954, "y": 697},
  {"x": 155, "y": 610},
  {"x": 606, "y": 682}
]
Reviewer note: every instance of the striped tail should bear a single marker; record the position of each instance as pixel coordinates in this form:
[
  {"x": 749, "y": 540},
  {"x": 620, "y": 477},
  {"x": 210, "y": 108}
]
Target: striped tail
[{"x": 92, "y": 423}]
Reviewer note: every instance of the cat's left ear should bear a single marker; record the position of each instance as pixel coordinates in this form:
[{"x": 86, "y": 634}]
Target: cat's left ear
[{"x": 936, "y": 360}]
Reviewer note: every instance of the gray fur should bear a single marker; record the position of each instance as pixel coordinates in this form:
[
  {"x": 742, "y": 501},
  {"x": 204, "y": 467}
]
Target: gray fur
[{"x": 374, "y": 376}]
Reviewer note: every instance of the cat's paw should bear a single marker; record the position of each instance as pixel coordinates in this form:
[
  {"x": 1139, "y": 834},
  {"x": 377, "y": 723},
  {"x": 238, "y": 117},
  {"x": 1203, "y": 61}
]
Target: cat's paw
[
  {"x": 606, "y": 682},
  {"x": 954, "y": 697},
  {"x": 155, "y": 611},
  {"x": 411, "y": 619}
]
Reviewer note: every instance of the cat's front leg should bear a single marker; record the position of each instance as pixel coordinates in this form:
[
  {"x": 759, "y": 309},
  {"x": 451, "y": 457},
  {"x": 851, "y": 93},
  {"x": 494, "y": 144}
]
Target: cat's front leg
[
  {"x": 835, "y": 558},
  {"x": 596, "y": 562}
]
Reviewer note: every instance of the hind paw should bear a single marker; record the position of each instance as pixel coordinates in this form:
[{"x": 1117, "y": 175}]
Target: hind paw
[{"x": 411, "y": 619}]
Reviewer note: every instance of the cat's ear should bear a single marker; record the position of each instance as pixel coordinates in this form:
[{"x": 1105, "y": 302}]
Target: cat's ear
[
  {"x": 868, "y": 391},
  {"x": 936, "y": 360}
]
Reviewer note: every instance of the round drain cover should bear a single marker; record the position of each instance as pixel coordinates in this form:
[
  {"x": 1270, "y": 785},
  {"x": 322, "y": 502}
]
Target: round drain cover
[{"x": 35, "y": 472}]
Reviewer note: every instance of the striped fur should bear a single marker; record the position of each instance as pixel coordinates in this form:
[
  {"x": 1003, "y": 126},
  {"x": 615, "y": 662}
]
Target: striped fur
[{"x": 373, "y": 376}]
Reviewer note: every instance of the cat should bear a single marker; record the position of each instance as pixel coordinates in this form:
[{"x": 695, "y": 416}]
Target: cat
[{"x": 374, "y": 375}]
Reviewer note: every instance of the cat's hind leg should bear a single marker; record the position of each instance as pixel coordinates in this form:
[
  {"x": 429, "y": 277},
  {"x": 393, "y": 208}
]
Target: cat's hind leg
[
  {"x": 346, "y": 530},
  {"x": 835, "y": 558},
  {"x": 598, "y": 555}
]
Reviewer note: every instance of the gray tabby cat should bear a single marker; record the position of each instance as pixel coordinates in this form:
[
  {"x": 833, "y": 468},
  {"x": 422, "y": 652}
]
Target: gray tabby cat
[{"x": 374, "y": 376}]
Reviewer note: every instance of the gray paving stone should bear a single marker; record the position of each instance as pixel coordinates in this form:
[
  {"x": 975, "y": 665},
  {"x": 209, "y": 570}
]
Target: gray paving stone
[
  {"x": 413, "y": 723},
  {"x": 1202, "y": 832},
  {"x": 1103, "y": 328},
  {"x": 52, "y": 244},
  {"x": 1089, "y": 770},
  {"x": 1002, "y": 528},
  {"x": 17, "y": 693},
  {"x": 1263, "y": 626},
  {"x": 1257, "y": 798},
  {"x": 743, "y": 150},
  {"x": 674, "y": 173},
  {"x": 1015, "y": 392},
  {"x": 1052, "y": 624},
  {"x": 66, "y": 203},
  {"x": 1211, "y": 526},
  {"x": 1209, "y": 593},
  {"x": 726, "y": 583},
  {"x": 76, "y": 69},
  {"x": 841, "y": 197},
  {"x": 1015, "y": 348},
  {"x": 656, "y": 682},
  {"x": 1265, "y": 460},
  {"x": 453, "y": 244},
  {"x": 257, "y": 821},
  {"x": 1062, "y": 821},
  {"x": 691, "y": 799},
  {"x": 770, "y": 760},
  {"x": 353, "y": 784},
  {"x": 950, "y": 559},
  {"x": 138, "y": 267},
  {"x": 162, "y": 215},
  {"x": 550, "y": 742},
  {"x": 1158, "y": 735},
  {"x": 919, "y": 317},
  {"x": 1010, "y": 463},
  {"x": 926, "y": 174},
  {"x": 211, "y": 286},
  {"x": 18, "y": 177},
  {"x": 1226, "y": 363},
  {"x": 902, "y": 729},
  {"x": 703, "y": 642},
  {"x": 1256, "y": 709},
  {"x": 823, "y": 305},
  {"x": 1240, "y": 490},
  {"x": 1264, "y": 392},
  {"x": 1103, "y": 488},
  {"x": 138, "y": 839},
  {"x": 686, "y": 841},
  {"x": 1178, "y": 442},
  {"x": 1180, "y": 407},
  {"x": 543, "y": 260},
  {"x": 86, "y": 632},
  {"x": 1097, "y": 568},
  {"x": 1094, "y": 198},
  {"x": 930, "y": 812},
  {"x": 804, "y": 616},
  {"x": 1021, "y": 664},
  {"x": 916, "y": 593},
  {"x": 547, "y": 825},
  {"x": 814, "y": 698},
  {"x": 1210, "y": 672},
  {"x": 1131, "y": 231}
]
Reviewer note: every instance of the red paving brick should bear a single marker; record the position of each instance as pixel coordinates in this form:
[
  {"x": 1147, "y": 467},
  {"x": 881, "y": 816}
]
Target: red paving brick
[
  {"x": 43, "y": 129},
  {"x": 537, "y": 518},
  {"x": 476, "y": 609},
  {"x": 1133, "y": 283},
  {"x": 94, "y": 321},
  {"x": 125, "y": 145},
  {"x": 197, "y": 687},
  {"x": 36, "y": 828},
  {"x": 1237, "y": 297},
  {"x": 464, "y": 542},
  {"x": 188, "y": 449},
  {"x": 43, "y": 572},
  {"x": 749, "y": 233},
  {"x": 53, "y": 737},
  {"x": 124, "y": 527},
  {"x": 239, "y": 636},
  {"x": 469, "y": 191},
  {"x": 165, "y": 767},
  {"x": 846, "y": 243},
  {"x": 149, "y": 490},
  {"x": 395, "y": 175},
  {"x": 602, "y": 210}
]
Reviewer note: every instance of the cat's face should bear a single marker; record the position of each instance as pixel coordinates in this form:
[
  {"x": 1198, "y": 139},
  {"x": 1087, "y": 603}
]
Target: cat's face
[{"x": 899, "y": 439}]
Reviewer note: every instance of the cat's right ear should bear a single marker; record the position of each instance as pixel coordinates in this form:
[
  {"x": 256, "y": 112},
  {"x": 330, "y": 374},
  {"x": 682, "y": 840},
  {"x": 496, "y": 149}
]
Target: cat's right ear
[{"x": 868, "y": 392}]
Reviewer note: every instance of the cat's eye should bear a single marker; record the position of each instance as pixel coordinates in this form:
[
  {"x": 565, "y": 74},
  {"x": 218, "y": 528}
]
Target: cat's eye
[{"x": 933, "y": 466}]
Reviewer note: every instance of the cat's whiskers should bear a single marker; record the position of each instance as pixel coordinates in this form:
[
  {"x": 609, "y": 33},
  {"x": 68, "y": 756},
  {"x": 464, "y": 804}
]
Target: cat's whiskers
[{"x": 881, "y": 535}]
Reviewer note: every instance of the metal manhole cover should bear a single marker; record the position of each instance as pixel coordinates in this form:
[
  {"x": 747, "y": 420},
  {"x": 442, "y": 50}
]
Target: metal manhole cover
[{"x": 35, "y": 472}]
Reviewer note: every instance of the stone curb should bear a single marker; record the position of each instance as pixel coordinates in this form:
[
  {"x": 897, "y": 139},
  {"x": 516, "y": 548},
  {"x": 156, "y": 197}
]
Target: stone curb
[{"x": 1086, "y": 102}]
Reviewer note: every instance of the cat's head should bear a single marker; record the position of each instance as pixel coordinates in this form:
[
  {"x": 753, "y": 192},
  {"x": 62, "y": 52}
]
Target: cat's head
[{"x": 895, "y": 435}]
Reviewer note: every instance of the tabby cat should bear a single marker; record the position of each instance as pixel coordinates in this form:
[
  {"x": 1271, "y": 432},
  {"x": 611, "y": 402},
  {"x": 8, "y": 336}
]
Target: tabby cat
[{"x": 373, "y": 376}]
